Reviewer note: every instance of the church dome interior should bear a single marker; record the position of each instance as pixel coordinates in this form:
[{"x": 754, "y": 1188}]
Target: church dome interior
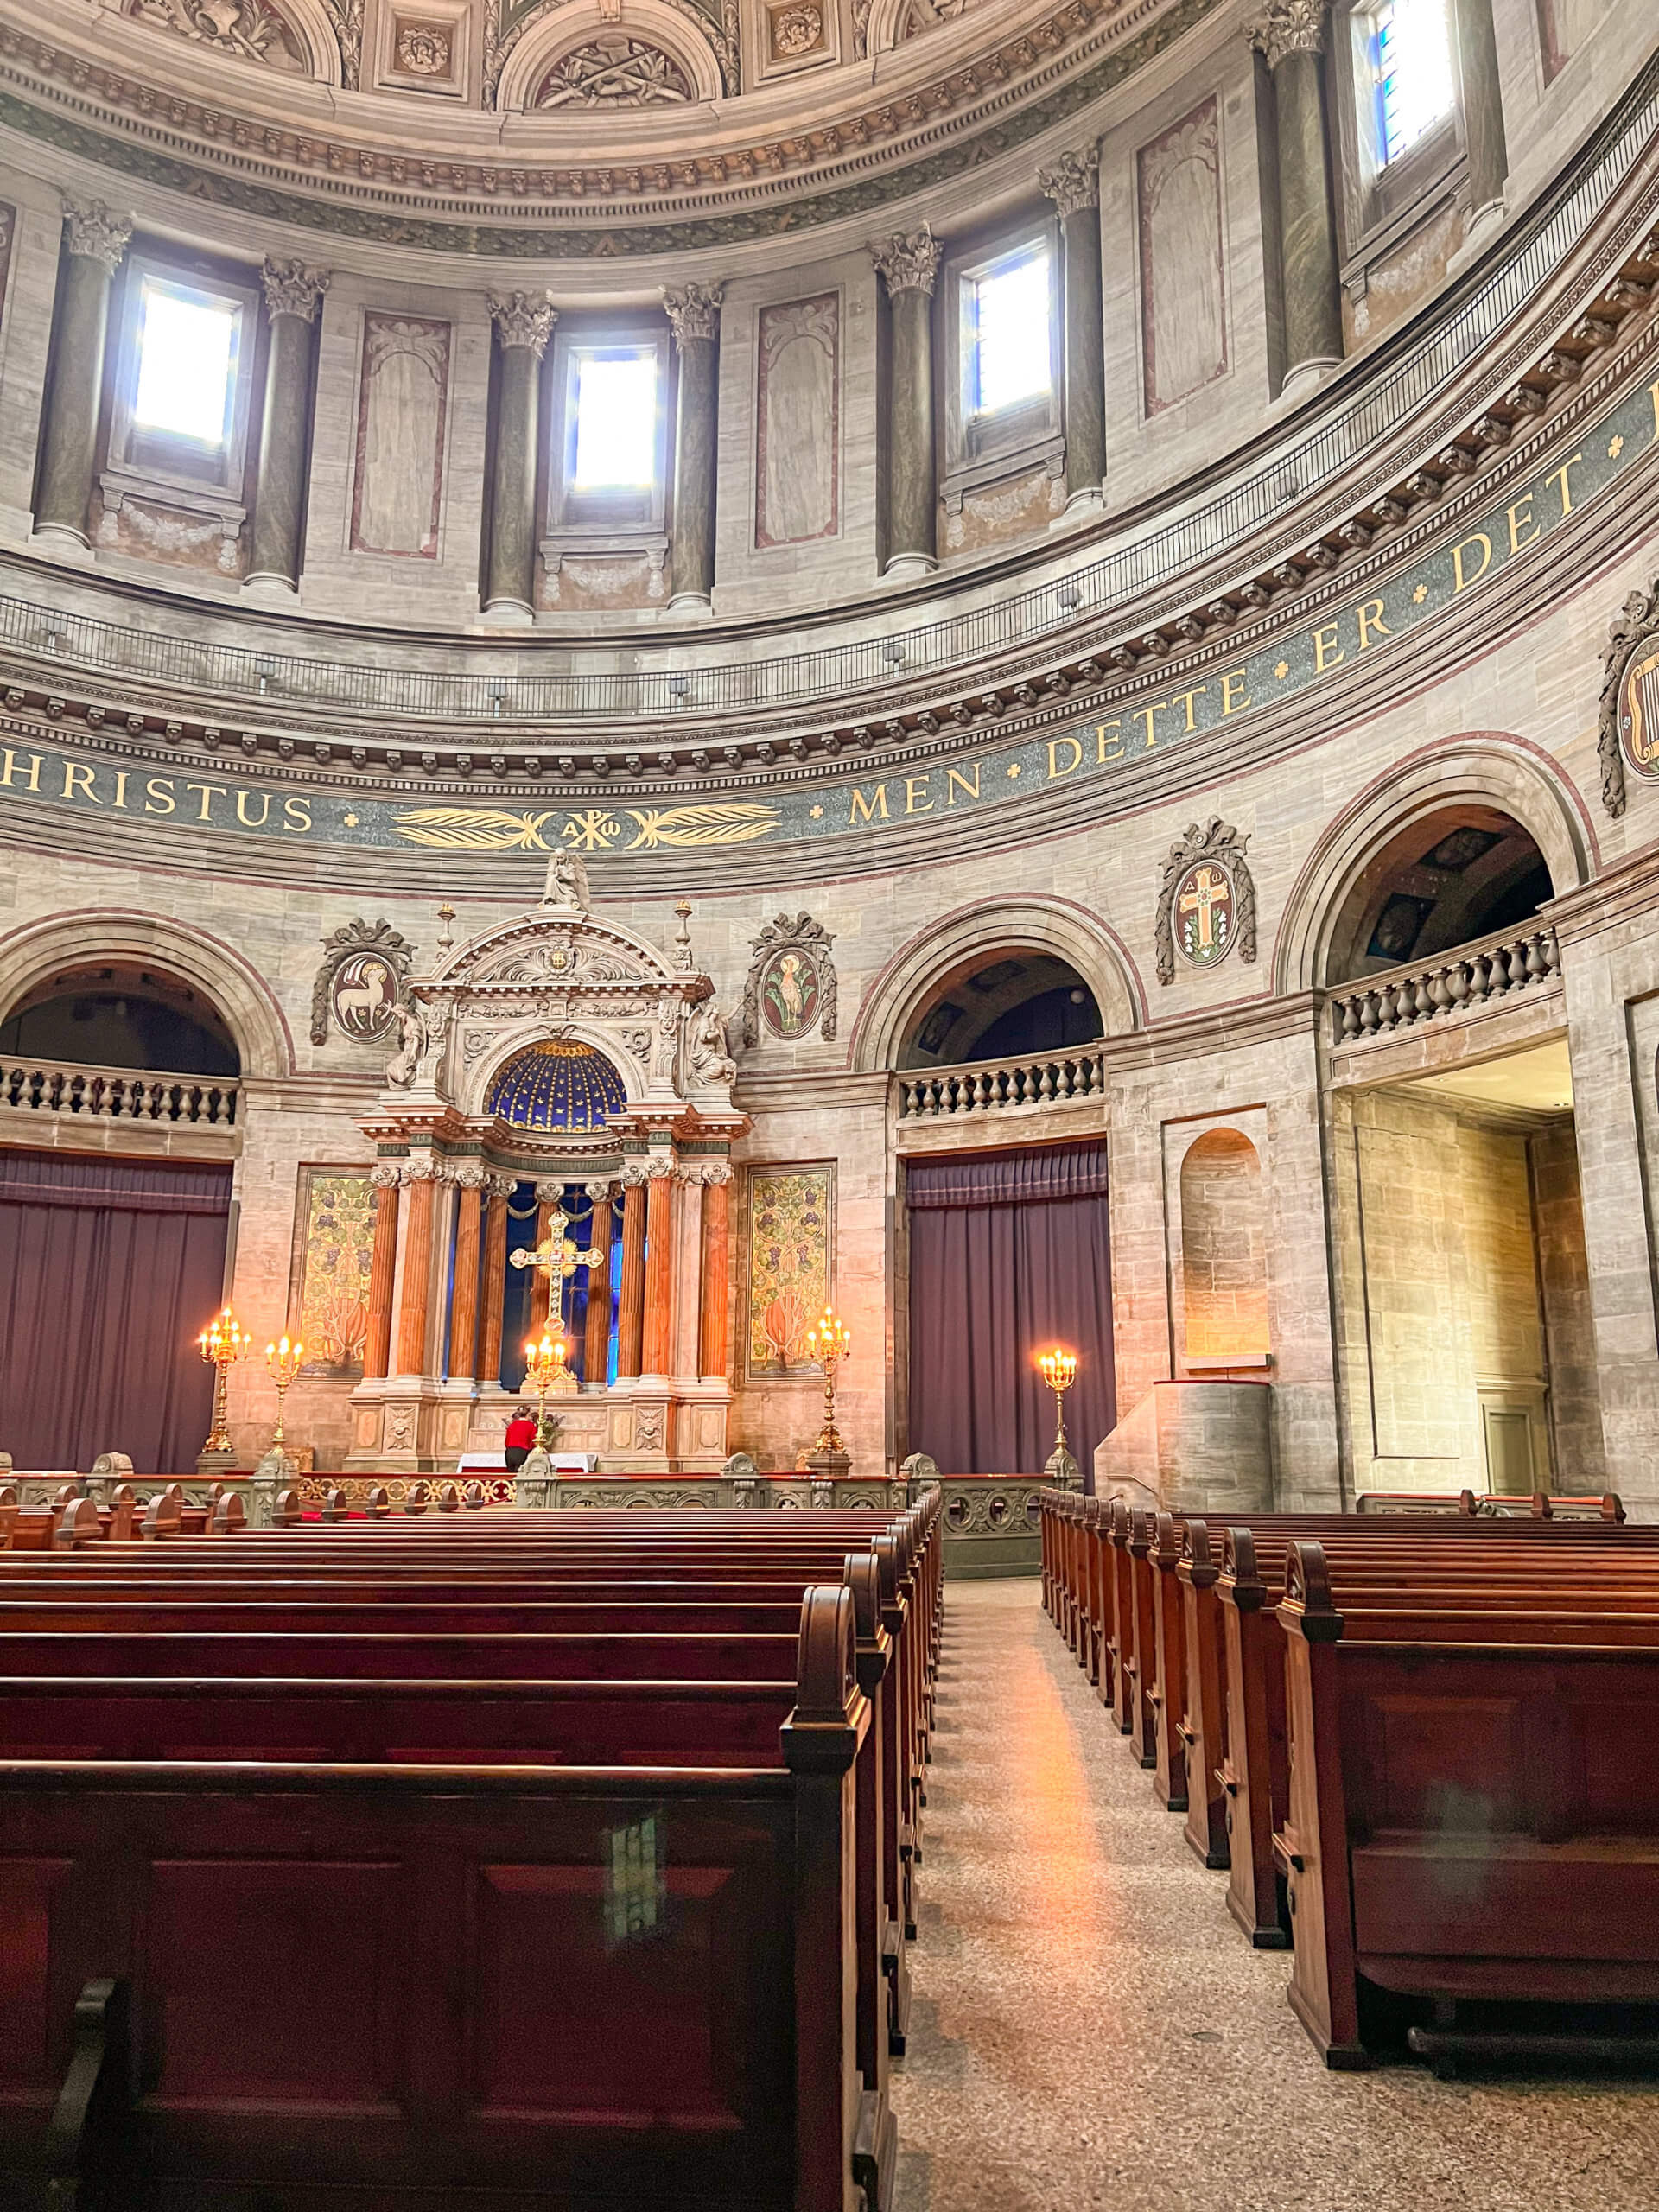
[{"x": 826, "y": 979}]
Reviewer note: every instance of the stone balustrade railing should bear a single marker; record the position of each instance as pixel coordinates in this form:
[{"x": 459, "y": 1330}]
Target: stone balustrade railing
[
  {"x": 1046, "y": 1079},
  {"x": 1468, "y": 977},
  {"x": 30, "y": 1086}
]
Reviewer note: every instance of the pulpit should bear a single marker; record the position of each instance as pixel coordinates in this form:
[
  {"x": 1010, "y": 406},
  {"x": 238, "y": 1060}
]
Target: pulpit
[{"x": 554, "y": 1144}]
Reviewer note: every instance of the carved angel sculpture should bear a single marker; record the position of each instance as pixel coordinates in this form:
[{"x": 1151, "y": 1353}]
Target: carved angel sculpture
[
  {"x": 411, "y": 1029},
  {"x": 710, "y": 1062},
  {"x": 567, "y": 881}
]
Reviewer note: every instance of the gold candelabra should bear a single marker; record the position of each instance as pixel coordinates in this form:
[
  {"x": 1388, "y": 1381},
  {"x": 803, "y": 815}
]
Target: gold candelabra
[
  {"x": 546, "y": 1374},
  {"x": 1059, "y": 1371},
  {"x": 221, "y": 1344},
  {"x": 283, "y": 1364},
  {"x": 829, "y": 1341}
]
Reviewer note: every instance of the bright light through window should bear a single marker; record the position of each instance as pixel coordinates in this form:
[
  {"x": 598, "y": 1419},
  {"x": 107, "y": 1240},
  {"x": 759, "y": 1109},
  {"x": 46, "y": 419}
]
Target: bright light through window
[
  {"x": 1413, "y": 60},
  {"x": 616, "y": 421},
  {"x": 187, "y": 356},
  {"x": 1011, "y": 334}
]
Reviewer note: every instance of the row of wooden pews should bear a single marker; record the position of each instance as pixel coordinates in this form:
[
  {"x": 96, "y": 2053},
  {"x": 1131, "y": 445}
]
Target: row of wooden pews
[
  {"x": 433, "y": 1858},
  {"x": 1414, "y": 1742}
]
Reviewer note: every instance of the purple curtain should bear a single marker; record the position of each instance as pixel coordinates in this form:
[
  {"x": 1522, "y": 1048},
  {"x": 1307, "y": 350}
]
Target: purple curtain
[
  {"x": 109, "y": 1271},
  {"x": 1009, "y": 1253}
]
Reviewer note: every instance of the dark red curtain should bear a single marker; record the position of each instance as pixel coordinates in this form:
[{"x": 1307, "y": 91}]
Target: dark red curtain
[
  {"x": 1009, "y": 1254},
  {"x": 109, "y": 1271}
]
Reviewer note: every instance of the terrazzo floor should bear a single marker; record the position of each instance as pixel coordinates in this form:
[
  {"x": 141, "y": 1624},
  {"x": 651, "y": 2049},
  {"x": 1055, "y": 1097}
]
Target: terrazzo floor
[{"x": 1089, "y": 2028}]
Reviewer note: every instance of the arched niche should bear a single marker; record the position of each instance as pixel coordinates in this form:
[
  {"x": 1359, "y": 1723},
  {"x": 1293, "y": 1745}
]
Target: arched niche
[
  {"x": 1223, "y": 1252},
  {"x": 654, "y": 24},
  {"x": 556, "y": 1085},
  {"x": 972, "y": 941},
  {"x": 1489, "y": 778},
  {"x": 68, "y": 944}
]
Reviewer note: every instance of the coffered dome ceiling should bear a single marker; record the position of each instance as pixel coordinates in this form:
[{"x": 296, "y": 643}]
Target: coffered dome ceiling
[{"x": 469, "y": 125}]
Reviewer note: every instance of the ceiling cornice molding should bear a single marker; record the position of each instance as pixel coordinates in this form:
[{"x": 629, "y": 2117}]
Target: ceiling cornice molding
[{"x": 514, "y": 198}]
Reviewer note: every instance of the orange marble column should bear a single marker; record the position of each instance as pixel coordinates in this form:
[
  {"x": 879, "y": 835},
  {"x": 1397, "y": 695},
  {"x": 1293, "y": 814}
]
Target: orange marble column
[
  {"x": 416, "y": 1290},
  {"x": 630, "y": 1325},
  {"x": 596, "y": 1344},
  {"x": 488, "y": 1366},
  {"x": 463, "y": 1295},
  {"x": 536, "y": 1317},
  {"x": 382, "y": 1268},
  {"x": 657, "y": 1343},
  {"x": 715, "y": 1305}
]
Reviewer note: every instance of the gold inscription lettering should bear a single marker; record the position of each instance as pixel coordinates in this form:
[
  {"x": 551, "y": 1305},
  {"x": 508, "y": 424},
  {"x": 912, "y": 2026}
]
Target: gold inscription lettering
[
  {"x": 1102, "y": 756},
  {"x": 9, "y": 774},
  {"x": 1462, "y": 578},
  {"x": 1233, "y": 681},
  {"x": 296, "y": 816},
  {"x": 913, "y": 804},
  {"x": 1327, "y": 653},
  {"x": 1054, "y": 768},
  {"x": 955, "y": 776},
  {"x": 120, "y": 798},
  {"x": 1148, "y": 714},
  {"x": 1370, "y": 618},
  {"x": 1519, "y": 521},
  {"x": 78, "y": 782},
  {"x": 158, "y": 795},
  {"x": 209, "y": 794},
  {"x": 1185, "y": 698},
  {"x": 865, "y": 809},
  {"x": 1560, "y": 477},
  {"x": 242, "y": 798}
]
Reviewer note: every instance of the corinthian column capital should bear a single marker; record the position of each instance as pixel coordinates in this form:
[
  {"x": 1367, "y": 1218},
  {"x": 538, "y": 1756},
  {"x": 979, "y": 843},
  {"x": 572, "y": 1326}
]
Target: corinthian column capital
[
  {"x": 909, "y": 261},
  {"x": 1289, "y": 27},
  {"x": 292, "y": 289},
  {"x": 693, "y": 311},
  {"x": 1073, "y": 182},
  {"x": 95, "y": 234},
  {"x": 521, "y": 320}
]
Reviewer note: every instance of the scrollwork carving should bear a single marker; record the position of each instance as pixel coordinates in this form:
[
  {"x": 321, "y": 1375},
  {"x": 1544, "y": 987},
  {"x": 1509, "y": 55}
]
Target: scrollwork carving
[
  {"x": 1621, "y": 731},
  {"x": 791, "y": 981}
]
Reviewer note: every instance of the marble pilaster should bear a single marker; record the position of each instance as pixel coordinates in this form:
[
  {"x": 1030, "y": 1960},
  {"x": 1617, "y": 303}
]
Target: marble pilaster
[
  {"x": 908, "y": 264},
  {"x": 1073, "y": 184},
  {"x": 522, "y": 327},
  {"x": 1291, "y": 37},
  {"x": 416, "y": 1274},
  {"x": 293, "y": 294},
  {"x": 488, "y": 1365},
  {"x": 95, "y": 241},
  {"x": 713, "y": 1306},
  {"x": 383, "y": 1267},
  {"x": 630, "y": 1325},
  {"x": 596, "y": 1341},
  {"x": 657, "y": 1348},
  {"x": 693, "y": 316},
  {"x": 463, "y": 1295}
]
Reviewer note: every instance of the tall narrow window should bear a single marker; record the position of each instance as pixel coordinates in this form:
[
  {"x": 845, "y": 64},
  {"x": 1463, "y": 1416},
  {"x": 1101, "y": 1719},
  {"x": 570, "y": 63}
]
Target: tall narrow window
[
  {"x": 1411, "y": 63},
  {"x": 616, "y": 421},
  {"x": 188, "y": 344},
  {"x": 1010, "y": 351}
]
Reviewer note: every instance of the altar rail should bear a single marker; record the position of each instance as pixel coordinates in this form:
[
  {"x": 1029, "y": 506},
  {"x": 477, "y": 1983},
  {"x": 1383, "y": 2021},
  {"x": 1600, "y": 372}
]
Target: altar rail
[
  {"x": 1465, "y": 980},
  {"x": 994, "y": 1086},
  {"x": 32, "y": 1086}
]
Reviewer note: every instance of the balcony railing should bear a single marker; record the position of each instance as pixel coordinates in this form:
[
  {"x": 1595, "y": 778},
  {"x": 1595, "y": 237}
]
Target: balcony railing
[
  {"x": 996, "y": 1086},
  {"x": 1506, "y": 966},
  {"x": 30, "y": 1086}
]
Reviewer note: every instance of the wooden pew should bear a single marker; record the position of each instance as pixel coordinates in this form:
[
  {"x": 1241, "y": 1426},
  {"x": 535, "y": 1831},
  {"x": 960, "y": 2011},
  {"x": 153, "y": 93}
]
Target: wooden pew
[
  {"x": 1467, "y": 1818},
  {"x": 394, "y": 1986}
]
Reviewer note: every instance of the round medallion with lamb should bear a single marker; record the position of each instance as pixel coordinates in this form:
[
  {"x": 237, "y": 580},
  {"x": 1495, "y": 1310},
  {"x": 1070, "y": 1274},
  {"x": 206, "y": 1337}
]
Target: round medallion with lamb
[{"x": 363, "y": 995}]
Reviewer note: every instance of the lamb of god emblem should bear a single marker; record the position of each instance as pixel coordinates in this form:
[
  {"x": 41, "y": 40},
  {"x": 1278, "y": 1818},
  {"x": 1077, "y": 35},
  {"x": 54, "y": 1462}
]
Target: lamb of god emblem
[{"x": 1203, "y": 914}]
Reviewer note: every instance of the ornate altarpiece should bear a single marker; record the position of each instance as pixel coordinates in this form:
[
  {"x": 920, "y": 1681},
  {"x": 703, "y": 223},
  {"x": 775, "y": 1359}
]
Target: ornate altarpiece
[{"x": 557, "y": 976}]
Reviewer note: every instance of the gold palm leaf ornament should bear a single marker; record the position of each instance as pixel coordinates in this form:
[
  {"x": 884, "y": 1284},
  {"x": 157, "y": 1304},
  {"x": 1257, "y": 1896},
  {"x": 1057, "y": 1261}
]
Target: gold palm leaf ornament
[
  {"x": 472, "y": 829},
  {"x": 739, "y": 823}
]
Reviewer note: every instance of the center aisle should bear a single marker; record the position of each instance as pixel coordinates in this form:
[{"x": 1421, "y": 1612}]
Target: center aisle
[{"x": 1090, "y": 2029}]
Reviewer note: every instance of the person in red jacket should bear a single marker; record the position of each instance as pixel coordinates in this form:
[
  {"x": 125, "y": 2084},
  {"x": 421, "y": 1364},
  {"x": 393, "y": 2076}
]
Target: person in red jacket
[{"x": 520, "y": 1438}]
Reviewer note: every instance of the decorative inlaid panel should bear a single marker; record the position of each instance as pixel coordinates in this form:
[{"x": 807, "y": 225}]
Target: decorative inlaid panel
[
  {"x": 1183, "y": 297},
  {"x": 403, "y": 401},
  {"x": 797, "y": 422},
  {"x": 334, "y": 1243},
  {"x": 791, "y": 1269}
]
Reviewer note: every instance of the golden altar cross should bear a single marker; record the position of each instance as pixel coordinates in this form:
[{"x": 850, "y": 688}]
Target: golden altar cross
[{"x": 557, "y": 1257}]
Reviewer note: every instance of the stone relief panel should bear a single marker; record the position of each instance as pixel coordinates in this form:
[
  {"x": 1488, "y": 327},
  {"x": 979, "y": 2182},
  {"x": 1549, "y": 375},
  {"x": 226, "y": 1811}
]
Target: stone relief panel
[
  {"x": 402, "y": 403},
  {"x": 575, "y": 582},
  {"x": 1564, "y": 25},
  {"x": 328, "y": 1282},
  {"x": 1183, "y": 293},
  {"x": 248, "y": 30},
  {"x": 797, "y": 422},
  {"x": 425, "y": 46},
  {"x": 615, "y": 70},
  {"x": 790, "y": 1267}
]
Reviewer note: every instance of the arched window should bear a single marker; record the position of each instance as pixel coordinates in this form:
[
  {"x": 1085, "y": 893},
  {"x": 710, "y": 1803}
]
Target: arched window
[{"x": 1001, "y": 1008}]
